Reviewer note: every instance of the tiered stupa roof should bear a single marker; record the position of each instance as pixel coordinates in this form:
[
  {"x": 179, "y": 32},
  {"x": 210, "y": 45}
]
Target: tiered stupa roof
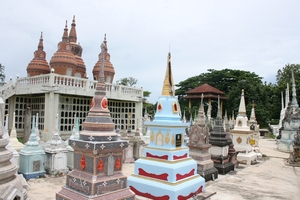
[
  {"x": 55, "y": 144},
  {"x": 218, "y": 134},
  {"x": 38, "y": 65},
  {"x": 201, "y": 118},
  {"x": 77, "y": 50},
  {"x": 241, "y": 122},
  {"x": 64, "y": 59},
  {"x": 109, "y": 70},
  {"x": 32, "y": 145}
]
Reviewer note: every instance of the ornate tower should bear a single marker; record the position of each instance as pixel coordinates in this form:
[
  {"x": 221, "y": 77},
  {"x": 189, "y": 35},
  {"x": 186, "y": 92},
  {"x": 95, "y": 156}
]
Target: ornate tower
[
  {"x": 77, "y": 51},
  {"x": 241, "y": 135},
  {"x": 63, "y": 61},
  {"x": 11, "y": 184},
  {"x": 198, "y": 144},
  {"x": 165, "y": 171},
  {"x": 98, "y": 155},
  {"x": 290, "y": 122},
  {"x": 104, "y": 57},
  {"x": 38, "y": 65},
  {"x": 220, "y": 146}
]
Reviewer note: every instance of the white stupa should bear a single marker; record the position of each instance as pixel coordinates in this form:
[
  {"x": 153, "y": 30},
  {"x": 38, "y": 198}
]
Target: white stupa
[
  {"x": 13, "y": 137},
  {"x": 241, "y": 135}
]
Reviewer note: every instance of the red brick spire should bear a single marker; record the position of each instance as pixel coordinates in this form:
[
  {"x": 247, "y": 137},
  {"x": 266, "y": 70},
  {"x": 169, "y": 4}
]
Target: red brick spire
[{"x": 73, "y": 35}]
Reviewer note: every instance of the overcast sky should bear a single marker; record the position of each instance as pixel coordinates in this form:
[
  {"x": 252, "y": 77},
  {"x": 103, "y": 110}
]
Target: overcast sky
[{"x": 257, "y": 36}]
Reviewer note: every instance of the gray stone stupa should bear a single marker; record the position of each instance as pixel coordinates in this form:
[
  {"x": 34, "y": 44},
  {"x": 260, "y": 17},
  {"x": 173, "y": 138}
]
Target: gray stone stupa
[
  {"x": 12, "y": 185},
  {"x": 220, "y": 146},
  {"x": 198, "y": 144},
  {"x": 290, "y": 123}
]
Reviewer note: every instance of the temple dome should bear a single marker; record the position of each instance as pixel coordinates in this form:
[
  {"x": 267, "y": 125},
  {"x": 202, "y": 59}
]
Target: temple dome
[
  {"x": 109, "y": 70},
  {"x": 38, "y": 65},
  {"x": 63, "y": 60}
]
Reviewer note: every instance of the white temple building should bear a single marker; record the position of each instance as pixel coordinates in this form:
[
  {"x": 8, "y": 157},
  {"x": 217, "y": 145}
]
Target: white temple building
[{"x": 61, "y": 85}]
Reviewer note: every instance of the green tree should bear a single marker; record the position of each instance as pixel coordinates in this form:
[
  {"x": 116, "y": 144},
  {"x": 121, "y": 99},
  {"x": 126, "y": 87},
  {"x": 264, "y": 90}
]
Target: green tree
[
  {"x": 146, "y": 93},
  {"x": 231, "y": 82},
  {"x": 130, "y": 81},
  {"x": 284, "y": 76},
  {"x": 2, "y": 75}
]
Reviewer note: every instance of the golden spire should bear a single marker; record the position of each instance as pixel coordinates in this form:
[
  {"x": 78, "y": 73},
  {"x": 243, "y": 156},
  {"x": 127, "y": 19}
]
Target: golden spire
[{"x": 168, "y": 86}]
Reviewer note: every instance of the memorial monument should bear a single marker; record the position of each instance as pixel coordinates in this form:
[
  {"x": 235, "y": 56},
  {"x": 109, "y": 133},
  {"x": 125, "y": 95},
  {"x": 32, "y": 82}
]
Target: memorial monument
[
  {"x": 198, "y": 144},
  {"x": 56, "y": 154},
  {"x": 241, "y": 135},
  {"x": 13, "y": 136},
  {"x": 12, "y": 185},
  {"x": 220, "y": 146},
  {"x": 166, "y": 171},
  {"x": 97, "y": 172},
  {"x": 290, "y": 123},
  {"x": 254, "y": 139},
  {"x": 32, "y": 157}
]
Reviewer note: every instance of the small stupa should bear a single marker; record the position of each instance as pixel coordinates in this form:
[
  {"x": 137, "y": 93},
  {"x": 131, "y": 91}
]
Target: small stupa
[
  {"x": 231, "y": 150},
  {"x": 166, "y": 171},
  {"x": 56, "y": 153},
  {"x": 98, "y": 154},
  {"x": 220, "y": 146},
  {"x": 198, "y": 144},
  {"x": 254, "y": 140},
  {"x": 13, "y": 137},
  {"x": 12, "y": 185},
  {"x": 32, "y": 156},
  {"x": 74, "y": 135},
  {"x": 290, "y": 123},
  {"x": 283, "y": 107},
  {"x": 294, "y": 158},
  {"x": 241, "y": 135},
  {"x": 16, "y": 156}
]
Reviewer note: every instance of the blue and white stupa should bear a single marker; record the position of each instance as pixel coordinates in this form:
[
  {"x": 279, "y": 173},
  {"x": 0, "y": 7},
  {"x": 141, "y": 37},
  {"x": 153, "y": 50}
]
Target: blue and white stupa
[
  {"x": 166, "y": 171},
  {"x": 32, "y": 157}
]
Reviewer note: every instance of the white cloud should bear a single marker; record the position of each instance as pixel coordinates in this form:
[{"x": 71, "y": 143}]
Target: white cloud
[{"x": 257, "y": 36}]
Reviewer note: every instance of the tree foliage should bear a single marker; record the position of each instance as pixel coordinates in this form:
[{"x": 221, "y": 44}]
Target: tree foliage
[
  {"x": 231, "y": 82},
  {"x": 284, "y": 77},
  {"x": 130, "y": 81},
  {"x": 2, "y": 75}
]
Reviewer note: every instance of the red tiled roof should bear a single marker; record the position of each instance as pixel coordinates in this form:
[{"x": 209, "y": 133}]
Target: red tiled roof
[{"x": 205, "y": 88}]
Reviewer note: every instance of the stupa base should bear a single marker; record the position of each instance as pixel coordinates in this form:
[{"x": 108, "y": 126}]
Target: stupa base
[
  {"x": 224, "y": 168},
  {"x": 247, "y": 158},
  {"x": 285, "y": 146},
  {"x": 14, "y": 189},
  {"x": 155, "y": 189},
  {"x": 209, "y": 174},
  {"x": 69, "y": 194},
  {"x": 28, "y": 176}
]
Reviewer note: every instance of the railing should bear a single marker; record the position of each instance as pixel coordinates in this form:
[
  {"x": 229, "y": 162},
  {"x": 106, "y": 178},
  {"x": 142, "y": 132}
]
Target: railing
[{"x": 67, "y": 85}]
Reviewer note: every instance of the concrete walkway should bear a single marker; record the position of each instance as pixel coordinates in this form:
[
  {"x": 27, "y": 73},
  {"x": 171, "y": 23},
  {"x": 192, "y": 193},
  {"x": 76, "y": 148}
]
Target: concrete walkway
[{"x": 269, "y": 179}]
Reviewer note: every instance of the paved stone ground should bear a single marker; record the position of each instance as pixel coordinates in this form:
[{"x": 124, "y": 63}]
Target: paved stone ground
[{"x": 269, "y": 179}]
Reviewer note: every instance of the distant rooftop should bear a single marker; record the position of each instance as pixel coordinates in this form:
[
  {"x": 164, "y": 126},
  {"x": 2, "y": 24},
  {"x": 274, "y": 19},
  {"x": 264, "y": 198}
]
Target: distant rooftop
[{"x": 207, "y": 90}]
